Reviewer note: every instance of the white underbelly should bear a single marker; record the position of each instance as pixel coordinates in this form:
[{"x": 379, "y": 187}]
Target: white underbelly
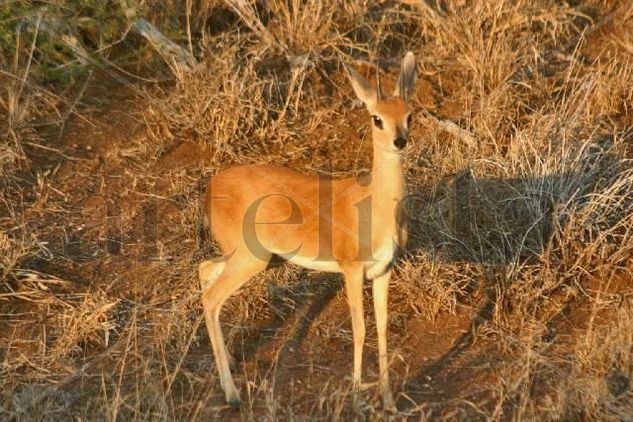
[
  {"x": 383, "y": 261},
  {"x": 311, "y": 263}
]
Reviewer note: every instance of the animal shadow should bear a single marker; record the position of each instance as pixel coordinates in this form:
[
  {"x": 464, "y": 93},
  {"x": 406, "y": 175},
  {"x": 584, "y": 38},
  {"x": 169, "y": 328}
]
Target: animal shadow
[
  {"x": 488, "y": 221},
  {"x": 295, "y": 307}
]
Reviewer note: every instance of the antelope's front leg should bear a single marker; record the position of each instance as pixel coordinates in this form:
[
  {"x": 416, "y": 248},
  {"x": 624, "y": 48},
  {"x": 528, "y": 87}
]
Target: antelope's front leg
[
  {"x": 381, "y": 291},
  {"x": 354, "y": 279}
]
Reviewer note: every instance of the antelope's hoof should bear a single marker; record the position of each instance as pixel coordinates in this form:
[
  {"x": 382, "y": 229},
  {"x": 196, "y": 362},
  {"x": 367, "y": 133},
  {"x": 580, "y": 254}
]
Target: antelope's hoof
[
  {"x": 233, "y": 398},
  {"x": 356, "y": 387},
  {"x": 388, "y": 404}
]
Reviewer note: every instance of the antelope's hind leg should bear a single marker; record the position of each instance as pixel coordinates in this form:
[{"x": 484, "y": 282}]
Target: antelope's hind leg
[
  {"x": 208, "y": 272},
  {"x": 219, "y": 282}
]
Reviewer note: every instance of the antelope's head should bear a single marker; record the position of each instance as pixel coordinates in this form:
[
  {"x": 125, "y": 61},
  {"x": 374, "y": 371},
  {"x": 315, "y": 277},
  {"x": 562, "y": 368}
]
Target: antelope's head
[{"x": 391, "y": 115}]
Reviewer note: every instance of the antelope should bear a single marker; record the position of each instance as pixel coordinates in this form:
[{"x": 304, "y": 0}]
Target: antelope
[{"x": 351, "y": 226}]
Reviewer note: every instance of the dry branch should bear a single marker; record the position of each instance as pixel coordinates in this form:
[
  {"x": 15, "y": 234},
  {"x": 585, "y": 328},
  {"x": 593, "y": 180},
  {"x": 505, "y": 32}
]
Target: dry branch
[
  {"x": 453, "y": 129},
  {"x": 178, "y": 58}
]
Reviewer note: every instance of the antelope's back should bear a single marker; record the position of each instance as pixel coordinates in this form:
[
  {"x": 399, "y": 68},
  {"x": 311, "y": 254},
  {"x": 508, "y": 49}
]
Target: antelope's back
[{"x": 276, "y": 209}]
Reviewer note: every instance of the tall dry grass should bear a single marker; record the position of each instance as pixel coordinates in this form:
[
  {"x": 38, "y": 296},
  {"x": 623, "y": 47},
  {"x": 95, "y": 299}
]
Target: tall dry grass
[{"x": 512, "y": 301}]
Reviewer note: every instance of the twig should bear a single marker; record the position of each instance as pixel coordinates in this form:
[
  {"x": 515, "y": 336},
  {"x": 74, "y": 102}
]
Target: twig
[
  {"x": 28, "y": 65},
  {"x": 188, "y": 16},
  {"x": 68, "y": 157},
  {"x": 452, "y": 128}
]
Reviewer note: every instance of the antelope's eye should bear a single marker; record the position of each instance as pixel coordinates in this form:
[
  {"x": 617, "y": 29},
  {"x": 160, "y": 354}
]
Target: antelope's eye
[
  {"x": 409, "y": 120},
  {"x": 377, "y": 121}
]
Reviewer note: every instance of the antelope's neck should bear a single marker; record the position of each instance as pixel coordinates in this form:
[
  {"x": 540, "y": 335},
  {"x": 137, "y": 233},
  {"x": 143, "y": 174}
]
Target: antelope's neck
[{"x": 387, "y": 186}]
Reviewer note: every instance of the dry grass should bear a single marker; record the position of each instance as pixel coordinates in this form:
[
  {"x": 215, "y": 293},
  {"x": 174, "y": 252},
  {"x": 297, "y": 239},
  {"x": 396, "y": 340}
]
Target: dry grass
[{"x": 512, "y": 302}]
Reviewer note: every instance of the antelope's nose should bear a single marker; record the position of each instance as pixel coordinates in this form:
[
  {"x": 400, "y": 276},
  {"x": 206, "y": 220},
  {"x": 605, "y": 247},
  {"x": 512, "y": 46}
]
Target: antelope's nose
[{"x": 400, "y": 142}]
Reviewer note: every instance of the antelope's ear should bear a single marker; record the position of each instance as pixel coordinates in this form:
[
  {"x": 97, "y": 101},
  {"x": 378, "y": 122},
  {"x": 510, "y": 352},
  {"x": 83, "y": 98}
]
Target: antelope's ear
[
  {"x": 406, "y": 80},
  {"x": 363, "y": 89}
]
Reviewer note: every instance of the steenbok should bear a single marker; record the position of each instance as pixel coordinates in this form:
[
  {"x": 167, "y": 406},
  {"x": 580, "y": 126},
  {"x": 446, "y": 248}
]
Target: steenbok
[{"x": 351, "y": 226}]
